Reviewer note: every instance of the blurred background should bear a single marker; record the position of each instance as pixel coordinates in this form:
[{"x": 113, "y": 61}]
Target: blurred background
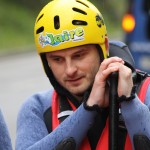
[
  {"x": 21, "y": 72},
  {"x": 17, "y": 19}
]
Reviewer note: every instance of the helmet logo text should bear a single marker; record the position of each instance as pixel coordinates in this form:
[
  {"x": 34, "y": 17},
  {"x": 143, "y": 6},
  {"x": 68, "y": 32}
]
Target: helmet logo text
[
  {"x": 66, "y": 36},
  {"x": 99, "y": 21}
]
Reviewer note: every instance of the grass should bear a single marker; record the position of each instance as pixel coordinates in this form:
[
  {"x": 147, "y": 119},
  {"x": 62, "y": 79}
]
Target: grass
[
  {"x": 16, "y": 27},
  {"x": 17, "y": 23}
]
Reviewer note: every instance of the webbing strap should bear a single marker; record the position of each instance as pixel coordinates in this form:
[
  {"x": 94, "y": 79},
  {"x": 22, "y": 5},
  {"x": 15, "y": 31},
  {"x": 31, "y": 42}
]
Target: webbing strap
[{"x": 143, "y": 89}]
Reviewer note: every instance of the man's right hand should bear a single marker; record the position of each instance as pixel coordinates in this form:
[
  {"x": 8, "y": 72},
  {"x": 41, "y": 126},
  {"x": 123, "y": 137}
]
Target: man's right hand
[{"x": 100, "y": 90}]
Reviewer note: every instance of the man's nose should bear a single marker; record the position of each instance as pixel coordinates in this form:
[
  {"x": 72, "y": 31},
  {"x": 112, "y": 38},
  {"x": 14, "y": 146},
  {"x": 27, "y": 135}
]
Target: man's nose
[{"x": 71, "y": 68}]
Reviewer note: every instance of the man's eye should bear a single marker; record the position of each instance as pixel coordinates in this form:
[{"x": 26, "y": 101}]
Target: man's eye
[
  {"x": 80, "y": 55},
  {"x": 57, "y": 59}
]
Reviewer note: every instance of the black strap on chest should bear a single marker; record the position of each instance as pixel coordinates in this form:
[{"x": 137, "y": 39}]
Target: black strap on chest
[
  {"x": 48, "y": 119},
  {"x": 95, "y": 131},
  {"x": 63, "y": 106}
]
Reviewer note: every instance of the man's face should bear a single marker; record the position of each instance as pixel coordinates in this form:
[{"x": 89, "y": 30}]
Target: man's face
[{"x": 75, "y": 68}]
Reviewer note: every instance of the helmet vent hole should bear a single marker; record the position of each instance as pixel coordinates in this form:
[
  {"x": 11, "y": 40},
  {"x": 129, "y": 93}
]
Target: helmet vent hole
[
  {"x": 79, "y": 11},
  {"x": 56, "y": 22},
  {"x": 79, "y": 22},
  {"x": 40, "y": 17},
  {"x": 39, "y": 30},
  {"x": 82, "y": 3}
]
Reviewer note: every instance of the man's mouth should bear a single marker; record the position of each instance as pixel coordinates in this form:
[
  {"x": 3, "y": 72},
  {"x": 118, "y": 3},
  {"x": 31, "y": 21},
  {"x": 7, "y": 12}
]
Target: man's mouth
[{"x": 75, "y": 80}]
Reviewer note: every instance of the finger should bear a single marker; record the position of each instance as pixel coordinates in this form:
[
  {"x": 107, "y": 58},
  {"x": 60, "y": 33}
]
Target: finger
[
  {"x": 119, "y": 64},
  {"x": 108, "y": 61},
  {"x": 125, "y": 83},
  {"x": 105, "y": 73},
  {"x": 112, "y": 67}
]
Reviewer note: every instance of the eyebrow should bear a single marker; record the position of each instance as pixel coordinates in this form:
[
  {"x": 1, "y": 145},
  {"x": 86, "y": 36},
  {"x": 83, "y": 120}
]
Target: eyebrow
[
  {"x": 82, "y": 50},
  {"x": 53, "y": 55}
]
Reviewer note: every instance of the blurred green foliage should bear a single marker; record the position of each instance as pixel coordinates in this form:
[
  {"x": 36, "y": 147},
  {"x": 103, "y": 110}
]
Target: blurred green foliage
[{"x": 17, "y": 20}]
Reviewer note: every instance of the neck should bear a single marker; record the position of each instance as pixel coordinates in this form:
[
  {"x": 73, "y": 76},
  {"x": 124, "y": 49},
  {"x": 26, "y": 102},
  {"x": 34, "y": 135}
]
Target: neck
[{"x": 79, "y": 97}]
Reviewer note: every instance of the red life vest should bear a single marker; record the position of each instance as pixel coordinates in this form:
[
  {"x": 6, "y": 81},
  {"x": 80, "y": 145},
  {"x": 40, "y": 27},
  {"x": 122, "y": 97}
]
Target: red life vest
[{"x": 103, "y": 141}]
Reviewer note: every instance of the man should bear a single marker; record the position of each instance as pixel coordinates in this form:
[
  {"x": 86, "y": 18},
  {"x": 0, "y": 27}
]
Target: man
[{"x": 71, "y": 39}]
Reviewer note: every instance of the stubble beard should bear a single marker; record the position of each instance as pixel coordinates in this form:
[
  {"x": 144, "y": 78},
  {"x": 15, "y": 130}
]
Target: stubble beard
[{"x": 79, "y": 92}]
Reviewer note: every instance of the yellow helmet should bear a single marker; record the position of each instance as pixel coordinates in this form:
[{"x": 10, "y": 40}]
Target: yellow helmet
[{"x": 63, "y": 24}]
